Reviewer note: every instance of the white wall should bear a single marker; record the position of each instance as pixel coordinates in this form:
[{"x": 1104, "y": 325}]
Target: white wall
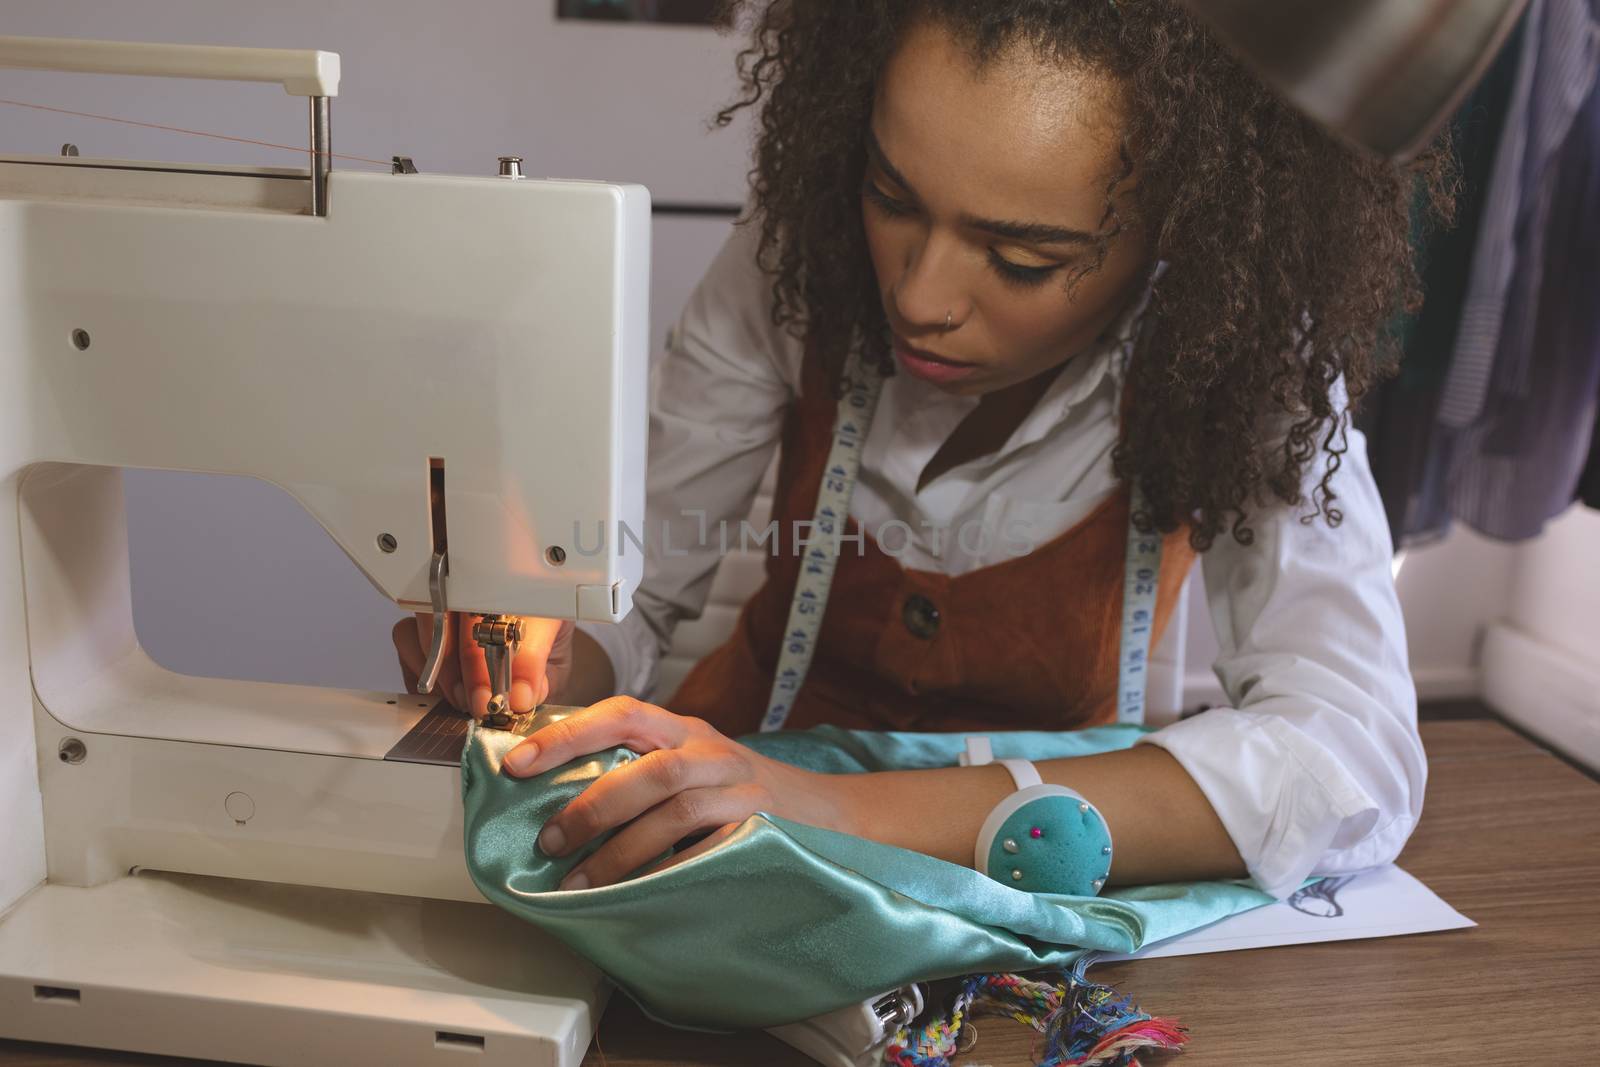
[
  {"x": 1555, "y": 595},
  {"x": 1450, "y": 591},
  {"x": 230, "y": 577},
  {"x": 1542, "y": 660}
]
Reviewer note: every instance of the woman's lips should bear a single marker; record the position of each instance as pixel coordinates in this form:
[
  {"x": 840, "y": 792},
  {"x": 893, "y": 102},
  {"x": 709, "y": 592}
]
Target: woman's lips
[{"x": 929, "y": 367}]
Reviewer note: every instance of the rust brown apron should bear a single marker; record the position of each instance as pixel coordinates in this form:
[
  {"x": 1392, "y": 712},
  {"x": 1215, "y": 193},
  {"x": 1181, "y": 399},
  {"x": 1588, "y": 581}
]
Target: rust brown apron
[{"x": 1029, "y": 643}]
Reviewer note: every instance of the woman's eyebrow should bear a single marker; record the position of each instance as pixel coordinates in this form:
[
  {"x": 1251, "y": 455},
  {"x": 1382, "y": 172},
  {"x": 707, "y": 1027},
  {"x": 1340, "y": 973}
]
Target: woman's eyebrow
[
  {"x": 1026, "y": 232},
  {"x": 1038, "y": 233},
  {"x": 876, "y": 154}
]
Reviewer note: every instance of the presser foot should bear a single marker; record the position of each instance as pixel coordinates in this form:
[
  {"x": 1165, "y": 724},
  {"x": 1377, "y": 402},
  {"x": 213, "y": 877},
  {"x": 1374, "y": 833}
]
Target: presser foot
[
  {"x": 499, "y": 636},
  {"x": 501, "y": 717}
]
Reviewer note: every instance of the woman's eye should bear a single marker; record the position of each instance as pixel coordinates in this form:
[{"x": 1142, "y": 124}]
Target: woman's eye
[
  {"x": 1012, "y": 273},
  {"x": 884, "y": 202},
  {"x": 1016, "y": 274}
]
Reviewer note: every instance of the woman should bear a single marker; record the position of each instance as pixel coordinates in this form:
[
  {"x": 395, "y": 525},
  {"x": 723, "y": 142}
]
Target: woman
[{"x": 1089, "y": 252}]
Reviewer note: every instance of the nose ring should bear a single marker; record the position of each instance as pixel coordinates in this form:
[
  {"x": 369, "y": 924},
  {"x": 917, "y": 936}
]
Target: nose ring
[{"x": 947, "y": 317}]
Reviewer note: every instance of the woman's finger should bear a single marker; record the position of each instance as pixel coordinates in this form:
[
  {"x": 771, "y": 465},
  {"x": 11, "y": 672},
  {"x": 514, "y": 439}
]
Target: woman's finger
[
  {"x": 653, "y": 833},
  {"x": 631, "y": 789},
  {"x": 617, "y": 721},
  {"x": 530, "y": 684}
]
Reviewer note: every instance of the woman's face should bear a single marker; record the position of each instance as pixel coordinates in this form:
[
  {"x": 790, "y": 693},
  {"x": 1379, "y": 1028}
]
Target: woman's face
[{"x": 983, "y": 198}]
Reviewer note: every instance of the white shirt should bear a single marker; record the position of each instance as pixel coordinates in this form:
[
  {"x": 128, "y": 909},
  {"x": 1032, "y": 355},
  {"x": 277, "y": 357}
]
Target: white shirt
[{"x": 1316, "y": 768}]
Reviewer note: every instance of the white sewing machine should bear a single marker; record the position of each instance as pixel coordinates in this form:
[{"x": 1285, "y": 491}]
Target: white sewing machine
[{"x": 449, "y": 373}]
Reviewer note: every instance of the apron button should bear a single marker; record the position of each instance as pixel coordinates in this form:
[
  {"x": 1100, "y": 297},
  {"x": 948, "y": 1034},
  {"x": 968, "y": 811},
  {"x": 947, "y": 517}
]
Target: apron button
[{"x": 921, "y": 616}]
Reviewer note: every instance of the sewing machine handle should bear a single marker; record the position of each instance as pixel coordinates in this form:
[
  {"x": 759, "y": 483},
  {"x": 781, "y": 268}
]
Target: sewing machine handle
[{"x": 301, "y": 72}]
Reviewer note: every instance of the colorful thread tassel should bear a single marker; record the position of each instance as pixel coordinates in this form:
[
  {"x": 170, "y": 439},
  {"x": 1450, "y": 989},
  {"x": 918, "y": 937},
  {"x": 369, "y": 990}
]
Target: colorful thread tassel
[{"x": 1084, "y": 1024}]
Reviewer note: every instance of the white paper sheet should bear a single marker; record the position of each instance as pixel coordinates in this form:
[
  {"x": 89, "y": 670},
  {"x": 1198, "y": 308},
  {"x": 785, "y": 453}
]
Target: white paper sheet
[{"x": 1383, "y": 903}]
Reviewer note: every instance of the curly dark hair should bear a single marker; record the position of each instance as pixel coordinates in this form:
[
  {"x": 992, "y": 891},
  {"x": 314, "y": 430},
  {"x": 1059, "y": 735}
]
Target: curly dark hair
[{"x": 1289, "y": 252}]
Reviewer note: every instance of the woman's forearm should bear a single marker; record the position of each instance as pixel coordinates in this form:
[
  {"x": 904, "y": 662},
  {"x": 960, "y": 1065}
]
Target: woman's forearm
[{"x": 1164, "y": 828}]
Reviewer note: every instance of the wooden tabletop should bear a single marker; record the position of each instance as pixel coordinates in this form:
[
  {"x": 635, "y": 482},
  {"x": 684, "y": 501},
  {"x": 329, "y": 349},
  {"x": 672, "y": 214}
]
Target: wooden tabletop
[{"x": 1510, "y": 836}]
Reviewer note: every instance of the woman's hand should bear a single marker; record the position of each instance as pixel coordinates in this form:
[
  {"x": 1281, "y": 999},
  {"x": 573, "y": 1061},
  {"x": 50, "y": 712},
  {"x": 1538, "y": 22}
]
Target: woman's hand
[
  {"x": 688, "y": 779},
  {"x": 540, "y": 668}
]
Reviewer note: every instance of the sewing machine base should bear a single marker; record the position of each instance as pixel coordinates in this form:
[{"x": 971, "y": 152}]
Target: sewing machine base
[{"x": 274, "y": 974}]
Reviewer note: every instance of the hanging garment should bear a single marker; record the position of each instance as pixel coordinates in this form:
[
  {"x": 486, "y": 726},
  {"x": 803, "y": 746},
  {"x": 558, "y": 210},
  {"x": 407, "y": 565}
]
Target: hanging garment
[
  {"x": 1398, "y": 416},
  {"x": 1517, "y": 404},
  {"x": 1030, "y": 642},
  {"x": 1531, "y": 451},
  {"x": 1557, "y": 69}
]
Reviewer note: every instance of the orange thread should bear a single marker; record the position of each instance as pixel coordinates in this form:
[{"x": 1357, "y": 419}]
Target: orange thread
[{"x": 302, "y": 149}]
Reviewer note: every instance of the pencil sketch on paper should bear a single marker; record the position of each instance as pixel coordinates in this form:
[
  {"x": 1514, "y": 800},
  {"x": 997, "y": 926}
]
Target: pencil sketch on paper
[{"x": 1321, "y": 899}]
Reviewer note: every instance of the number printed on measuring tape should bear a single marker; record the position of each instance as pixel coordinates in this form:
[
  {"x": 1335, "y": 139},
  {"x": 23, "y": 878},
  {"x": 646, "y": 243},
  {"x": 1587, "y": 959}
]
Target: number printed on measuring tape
[
  {"x": 852, "y": 419},
  {"x": 1141, "y": 579}
]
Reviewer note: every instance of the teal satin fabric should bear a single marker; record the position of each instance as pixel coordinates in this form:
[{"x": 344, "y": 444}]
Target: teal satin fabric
[{"x": 783, "y": 921}]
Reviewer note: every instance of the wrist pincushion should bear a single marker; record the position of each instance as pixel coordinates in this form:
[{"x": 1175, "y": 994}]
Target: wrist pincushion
[{"x": 1046, "y": 839}]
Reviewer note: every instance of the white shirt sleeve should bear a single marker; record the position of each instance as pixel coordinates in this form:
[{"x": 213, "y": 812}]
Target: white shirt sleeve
[
  {"x": 1317, "y": 768},
  {"x": 717, "y": 401}
]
